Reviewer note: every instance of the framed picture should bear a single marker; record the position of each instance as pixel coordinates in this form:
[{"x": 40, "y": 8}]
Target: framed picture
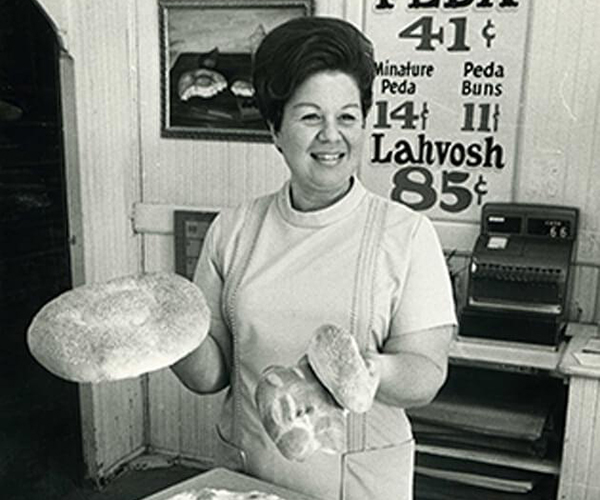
[{"x": 206, "y": 57}]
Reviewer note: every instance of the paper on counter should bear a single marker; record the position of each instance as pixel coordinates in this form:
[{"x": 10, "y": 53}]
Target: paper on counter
[{"x": 590, "y": 354}]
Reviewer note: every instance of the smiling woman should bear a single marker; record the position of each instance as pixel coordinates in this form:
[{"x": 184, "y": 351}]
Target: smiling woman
[
  {"x": 321, "y": 251},
  {"x": 321, "y": 138}
]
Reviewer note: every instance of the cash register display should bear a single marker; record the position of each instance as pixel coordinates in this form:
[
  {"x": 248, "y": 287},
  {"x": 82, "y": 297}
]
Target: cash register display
[
  {"x": 553, "y": 228},
  {"x": 504, "y": 224}
]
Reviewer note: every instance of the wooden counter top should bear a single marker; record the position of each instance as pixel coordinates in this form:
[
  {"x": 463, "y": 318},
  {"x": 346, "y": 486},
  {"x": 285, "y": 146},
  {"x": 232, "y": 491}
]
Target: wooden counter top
[{"x": 582, "y": 355}]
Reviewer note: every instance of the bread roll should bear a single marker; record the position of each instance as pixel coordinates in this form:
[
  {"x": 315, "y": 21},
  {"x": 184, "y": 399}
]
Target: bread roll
[
  {"x": 201, "y": 82},
  {"x": 334, "y": 356},
  {"x": 119, "y": 329},
  {"x": 298, "y": 413}
]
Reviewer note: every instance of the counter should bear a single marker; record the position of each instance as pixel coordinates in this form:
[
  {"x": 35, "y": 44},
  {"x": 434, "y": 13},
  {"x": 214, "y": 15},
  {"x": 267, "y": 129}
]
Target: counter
[{"x": 226, "y": 479}]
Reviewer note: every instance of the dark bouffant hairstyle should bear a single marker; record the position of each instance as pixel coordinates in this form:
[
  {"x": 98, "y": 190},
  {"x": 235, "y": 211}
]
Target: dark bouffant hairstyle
[{"x": 297, "y": 49}]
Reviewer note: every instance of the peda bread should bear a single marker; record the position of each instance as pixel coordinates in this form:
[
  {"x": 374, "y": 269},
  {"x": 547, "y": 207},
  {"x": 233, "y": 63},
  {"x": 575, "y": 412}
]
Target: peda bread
[
  {"x": 334, "y": 356},
  {"x": 298, "y": 413},
  {"x": 204, "y": 83},
  {"x": 119, "y": 329}
]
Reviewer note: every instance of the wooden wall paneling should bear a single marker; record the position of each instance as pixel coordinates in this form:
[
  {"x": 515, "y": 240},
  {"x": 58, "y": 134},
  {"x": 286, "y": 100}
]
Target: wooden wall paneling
[
  {"x": 588, "y": 244},
  {"x": 334, "y": 8},
  {"x": 159, "y": 251},
  {"x": 559, "y": 134},
  {"x": 582, "y": 307},
  {"x": 164, "y": 412},
  {"x": 542, "y": 157},
  {"x": 457, "y": 236},
  {"x": 113, "y": 426},
  {"x": 106, "y": 102},
  {"x": 215, "y": 173},
  {"x": 182, "y": 423},
  {"x": 581, "y": 454},
  {"x": 102, "y": 47},
  {"x": 582, "y": 99},
  {"x": 355, "y": 13},
  {"x": 539, "y": 71}
]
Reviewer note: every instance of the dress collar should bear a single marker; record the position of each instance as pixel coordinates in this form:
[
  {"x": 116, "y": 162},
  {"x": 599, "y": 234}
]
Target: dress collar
[{"x": 324, "y": 216}]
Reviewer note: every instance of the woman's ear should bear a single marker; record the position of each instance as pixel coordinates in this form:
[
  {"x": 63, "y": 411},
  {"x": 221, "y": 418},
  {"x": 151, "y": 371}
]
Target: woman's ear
[{"x": 275, "y": 137}]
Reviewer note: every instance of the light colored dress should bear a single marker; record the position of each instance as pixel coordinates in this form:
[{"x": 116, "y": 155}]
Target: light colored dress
[{"x": 272, "y": 275}]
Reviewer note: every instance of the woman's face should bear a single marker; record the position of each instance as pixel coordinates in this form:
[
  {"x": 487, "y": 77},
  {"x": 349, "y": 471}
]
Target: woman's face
[{"x": 321, "y": 138}]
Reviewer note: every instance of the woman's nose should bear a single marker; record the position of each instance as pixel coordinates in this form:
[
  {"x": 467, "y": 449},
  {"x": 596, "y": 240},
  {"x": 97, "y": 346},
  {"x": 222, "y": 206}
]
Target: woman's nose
[{"x": 329, "y": 131}]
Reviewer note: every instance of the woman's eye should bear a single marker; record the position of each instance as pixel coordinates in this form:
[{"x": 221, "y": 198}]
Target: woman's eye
[
  {"x": 311, "y": 118},
  {"x": 349, "y": 118}
]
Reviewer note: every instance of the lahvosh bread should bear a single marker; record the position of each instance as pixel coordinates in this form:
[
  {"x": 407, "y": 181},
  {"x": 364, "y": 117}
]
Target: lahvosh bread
[
  {"x": 334, "y": 356},
  {"x": 298, "y": 413},
  {"x": 119, "y": 329}
]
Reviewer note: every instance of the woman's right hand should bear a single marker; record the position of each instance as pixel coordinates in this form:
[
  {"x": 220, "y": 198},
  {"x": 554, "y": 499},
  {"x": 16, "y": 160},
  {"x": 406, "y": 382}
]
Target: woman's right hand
[
  {"x": 298, "y": 412},
  {"x": 205, "y": 370}
]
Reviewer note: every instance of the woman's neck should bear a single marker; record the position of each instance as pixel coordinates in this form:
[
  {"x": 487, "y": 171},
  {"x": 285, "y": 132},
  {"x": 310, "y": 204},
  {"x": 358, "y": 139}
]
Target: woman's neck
[{"x": 307, "y": 202}]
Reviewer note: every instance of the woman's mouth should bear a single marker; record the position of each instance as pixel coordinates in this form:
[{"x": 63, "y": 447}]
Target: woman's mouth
[{"x": 328, "y": 158}]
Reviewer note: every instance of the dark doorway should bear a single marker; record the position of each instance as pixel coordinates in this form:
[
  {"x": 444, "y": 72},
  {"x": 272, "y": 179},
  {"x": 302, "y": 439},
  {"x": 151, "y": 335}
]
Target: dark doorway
[{"x": 40, "y": 444}]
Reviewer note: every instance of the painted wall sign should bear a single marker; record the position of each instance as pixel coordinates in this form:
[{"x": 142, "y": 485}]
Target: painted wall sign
[{"x": 444, "y": 123}]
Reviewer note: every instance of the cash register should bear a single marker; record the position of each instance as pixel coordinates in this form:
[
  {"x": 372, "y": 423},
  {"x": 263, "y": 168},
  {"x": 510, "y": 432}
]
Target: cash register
[{"x": 519, "y": 270}]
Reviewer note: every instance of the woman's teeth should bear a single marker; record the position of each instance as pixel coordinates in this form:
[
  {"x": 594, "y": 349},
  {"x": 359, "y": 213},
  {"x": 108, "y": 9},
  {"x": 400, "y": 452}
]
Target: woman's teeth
[{"x": 327, "y": 157}]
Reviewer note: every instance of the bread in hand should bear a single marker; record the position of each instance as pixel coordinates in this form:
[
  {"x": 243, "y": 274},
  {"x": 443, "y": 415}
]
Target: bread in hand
[
  {"x": 298, "y": 413},
  {"x": 334, "y": 356},
  {"x": 119, "y": 329}
]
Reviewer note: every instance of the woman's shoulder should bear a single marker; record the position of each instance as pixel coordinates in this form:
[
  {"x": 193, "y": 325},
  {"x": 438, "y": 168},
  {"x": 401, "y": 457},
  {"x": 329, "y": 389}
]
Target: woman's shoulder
[
  {"x": 230, "y": 220},
  {"x": 400, "y": 219}
]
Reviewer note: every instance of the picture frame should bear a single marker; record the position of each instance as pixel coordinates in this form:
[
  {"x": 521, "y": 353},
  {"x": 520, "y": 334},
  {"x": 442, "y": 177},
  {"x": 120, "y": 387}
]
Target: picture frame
[
  {"x": 191, "y": 227},
  {"x": 206, "y": 49}
]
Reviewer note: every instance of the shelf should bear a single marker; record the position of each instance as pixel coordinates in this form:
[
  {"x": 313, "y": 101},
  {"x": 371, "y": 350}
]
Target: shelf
[
  {"x": 511, "y": 354},
  {"x": 545, "y": 466}
]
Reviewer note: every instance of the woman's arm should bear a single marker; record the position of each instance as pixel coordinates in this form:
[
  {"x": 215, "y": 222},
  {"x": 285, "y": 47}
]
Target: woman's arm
[
  {"x": 413, "y": 367},
  {"x": 205, "y": 370}
]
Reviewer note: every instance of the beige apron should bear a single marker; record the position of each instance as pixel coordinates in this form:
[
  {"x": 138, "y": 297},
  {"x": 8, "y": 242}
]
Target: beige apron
[{"x": 382, "y": 473}]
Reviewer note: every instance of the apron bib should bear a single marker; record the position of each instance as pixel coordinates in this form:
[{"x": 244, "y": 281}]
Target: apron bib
[{"x": 383, "y": 473}]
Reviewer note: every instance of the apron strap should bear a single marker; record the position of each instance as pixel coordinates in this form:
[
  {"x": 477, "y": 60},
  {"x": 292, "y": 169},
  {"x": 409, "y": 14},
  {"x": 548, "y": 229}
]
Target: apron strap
[
  {"x": 253, "y": 221},
  {"x": 362, "y": 305}
]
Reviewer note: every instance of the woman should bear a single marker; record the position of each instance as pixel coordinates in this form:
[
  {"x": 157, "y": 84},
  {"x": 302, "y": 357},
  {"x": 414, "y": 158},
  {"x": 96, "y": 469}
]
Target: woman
[{"x": 322, "y": 250}]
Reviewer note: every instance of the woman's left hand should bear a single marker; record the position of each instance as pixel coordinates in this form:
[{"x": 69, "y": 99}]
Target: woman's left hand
[{"x": 372, "y": 361}]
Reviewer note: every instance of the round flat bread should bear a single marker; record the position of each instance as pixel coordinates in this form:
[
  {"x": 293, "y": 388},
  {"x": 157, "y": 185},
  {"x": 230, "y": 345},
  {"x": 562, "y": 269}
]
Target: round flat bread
[{"x": 119, "y": 329}]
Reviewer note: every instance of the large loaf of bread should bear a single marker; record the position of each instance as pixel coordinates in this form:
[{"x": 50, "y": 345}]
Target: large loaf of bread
[{"x": 119, "y": 329}]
